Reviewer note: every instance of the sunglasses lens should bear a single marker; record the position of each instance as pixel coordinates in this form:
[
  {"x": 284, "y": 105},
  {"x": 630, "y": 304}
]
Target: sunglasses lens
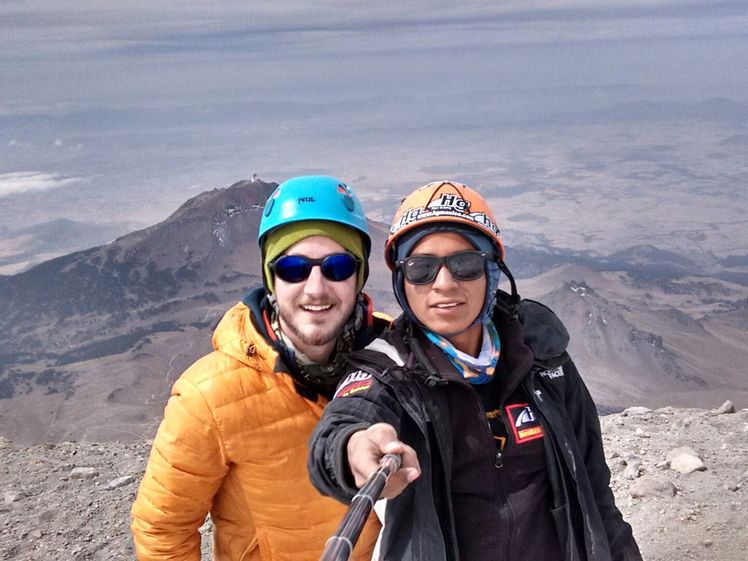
[
  {"x": 292, "y": 268},
  {"x": 339, "y": 266},
  {"x": 467, "y": 265},
  {"x": 421, "y": 269},
  {"x": 464, "y": 266},
  {"x": 296, "y": 268}
]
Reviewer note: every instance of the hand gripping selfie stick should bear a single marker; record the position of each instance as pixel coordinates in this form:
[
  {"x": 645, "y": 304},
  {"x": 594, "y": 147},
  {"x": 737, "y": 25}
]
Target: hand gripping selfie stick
[{"x": 340, "y": 545}]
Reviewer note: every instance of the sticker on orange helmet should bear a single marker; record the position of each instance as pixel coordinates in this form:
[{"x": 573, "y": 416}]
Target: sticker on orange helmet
[{"x": 447, "y": 205}]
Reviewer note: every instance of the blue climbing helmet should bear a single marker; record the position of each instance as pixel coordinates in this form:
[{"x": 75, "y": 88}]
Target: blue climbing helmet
[
  {"x": 327, "y": 207},
  {"x": 314, "y": 197}
]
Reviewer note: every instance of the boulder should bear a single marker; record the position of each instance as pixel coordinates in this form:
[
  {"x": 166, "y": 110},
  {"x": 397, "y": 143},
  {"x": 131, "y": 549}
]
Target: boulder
[
  {"x": 684, "y": 460},
  {"x": 83, "y": 473},
  {"x": 631, "y": 411},
  {"x": 726, "y": 407}
]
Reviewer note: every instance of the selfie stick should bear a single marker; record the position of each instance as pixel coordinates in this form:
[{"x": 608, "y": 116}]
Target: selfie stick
[{"x": 340, "y": 546}]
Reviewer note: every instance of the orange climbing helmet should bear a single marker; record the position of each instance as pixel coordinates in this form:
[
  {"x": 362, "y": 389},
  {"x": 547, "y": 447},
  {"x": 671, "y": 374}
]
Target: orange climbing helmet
[{"x": 442, "y": 201}]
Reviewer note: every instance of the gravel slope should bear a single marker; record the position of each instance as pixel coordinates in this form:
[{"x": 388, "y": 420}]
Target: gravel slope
[{"x": 71, "y": 501}]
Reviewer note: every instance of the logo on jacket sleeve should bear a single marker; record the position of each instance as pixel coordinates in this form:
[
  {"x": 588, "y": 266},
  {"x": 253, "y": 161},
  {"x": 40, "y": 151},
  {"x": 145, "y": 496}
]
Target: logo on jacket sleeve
[
  {"x": 355, "y": 382},
  {"x": 524, "y": 422}
]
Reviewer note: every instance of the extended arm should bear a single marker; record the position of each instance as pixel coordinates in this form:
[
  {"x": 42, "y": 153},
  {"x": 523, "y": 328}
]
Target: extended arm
[{"x": 356, "y": 430}]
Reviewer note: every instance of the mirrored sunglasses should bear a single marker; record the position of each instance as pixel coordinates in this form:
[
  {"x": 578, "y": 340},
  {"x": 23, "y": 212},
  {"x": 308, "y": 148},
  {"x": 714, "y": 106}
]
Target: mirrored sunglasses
[
  {"x": 296, "y": 268},
  {"x": 464, "y": 266}
]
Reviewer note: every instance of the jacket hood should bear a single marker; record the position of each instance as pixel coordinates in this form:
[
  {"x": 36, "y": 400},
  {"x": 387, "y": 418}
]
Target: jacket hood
[{"x": 544, "y": 332}]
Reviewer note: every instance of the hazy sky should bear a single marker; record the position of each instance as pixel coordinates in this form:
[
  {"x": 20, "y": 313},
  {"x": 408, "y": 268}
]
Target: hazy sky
[
  {"x": 74, "y": 54},
  {"x": 112, "y": 111}
]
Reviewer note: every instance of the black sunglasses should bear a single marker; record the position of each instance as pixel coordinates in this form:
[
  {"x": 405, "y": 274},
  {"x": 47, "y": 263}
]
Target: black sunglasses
[
  {"x": 464, "y": 266},
  {"x": 296, "y": 268}
]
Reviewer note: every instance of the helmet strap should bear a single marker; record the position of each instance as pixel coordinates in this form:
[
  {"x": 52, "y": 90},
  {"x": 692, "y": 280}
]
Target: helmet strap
[{"x": 515, "y": 298}]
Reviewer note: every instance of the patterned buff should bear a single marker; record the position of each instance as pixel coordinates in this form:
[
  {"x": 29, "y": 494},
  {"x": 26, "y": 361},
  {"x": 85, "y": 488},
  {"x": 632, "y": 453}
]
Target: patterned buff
[
  {"x": 321, "y": 376},
  {"x": 476, "y": 370}
]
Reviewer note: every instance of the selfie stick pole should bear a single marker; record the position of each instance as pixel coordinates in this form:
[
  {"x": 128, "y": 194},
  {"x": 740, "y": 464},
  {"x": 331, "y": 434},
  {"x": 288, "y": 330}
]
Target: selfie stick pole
[{"x": 340, "y": 546}]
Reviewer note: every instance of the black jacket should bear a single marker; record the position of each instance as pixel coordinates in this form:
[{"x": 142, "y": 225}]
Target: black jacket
[{"x": 419, "y": 523}]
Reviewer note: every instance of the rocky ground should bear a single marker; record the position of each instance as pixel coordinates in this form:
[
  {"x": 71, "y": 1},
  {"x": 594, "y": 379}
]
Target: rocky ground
[{"x": 680, "y": 477}]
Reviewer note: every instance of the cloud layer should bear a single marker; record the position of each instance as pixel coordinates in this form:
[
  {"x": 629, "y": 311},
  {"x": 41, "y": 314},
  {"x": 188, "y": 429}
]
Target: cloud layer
[{"x": 28, "y": 181}]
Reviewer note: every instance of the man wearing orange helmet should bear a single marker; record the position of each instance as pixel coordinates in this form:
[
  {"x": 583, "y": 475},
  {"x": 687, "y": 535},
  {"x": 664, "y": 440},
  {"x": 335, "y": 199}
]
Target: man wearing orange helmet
[{"x": 502, "y": 456}]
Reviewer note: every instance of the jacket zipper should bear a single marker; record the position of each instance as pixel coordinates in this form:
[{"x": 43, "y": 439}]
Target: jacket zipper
[
  {"x": 507, "y": 510},
  {"x": 498, "y": 458},
  {"x": 499, "y": 461},
  {"x": 507, "y": 513}
]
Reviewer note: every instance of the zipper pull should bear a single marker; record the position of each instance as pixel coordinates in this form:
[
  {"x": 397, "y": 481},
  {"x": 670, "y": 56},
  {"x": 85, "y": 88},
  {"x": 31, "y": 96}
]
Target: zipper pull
[{"x": 499, "y": 460}]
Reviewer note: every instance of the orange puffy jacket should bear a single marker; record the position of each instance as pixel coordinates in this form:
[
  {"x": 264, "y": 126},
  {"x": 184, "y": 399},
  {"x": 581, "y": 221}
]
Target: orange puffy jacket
[{"x": 233, "y": 442}]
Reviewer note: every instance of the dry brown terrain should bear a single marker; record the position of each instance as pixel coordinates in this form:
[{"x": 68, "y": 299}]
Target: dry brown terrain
[{"x": 71, "y": 501}]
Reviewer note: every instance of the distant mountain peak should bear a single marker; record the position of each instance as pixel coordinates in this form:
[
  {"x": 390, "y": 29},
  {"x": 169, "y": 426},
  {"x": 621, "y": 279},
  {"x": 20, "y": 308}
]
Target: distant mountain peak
[{"x": 242, "y": 194}]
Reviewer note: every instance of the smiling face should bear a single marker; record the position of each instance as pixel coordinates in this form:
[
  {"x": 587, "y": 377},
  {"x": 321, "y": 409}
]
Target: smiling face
[
  {"x": 448, "y": 306},
  {"x": 313, "y": 312}
]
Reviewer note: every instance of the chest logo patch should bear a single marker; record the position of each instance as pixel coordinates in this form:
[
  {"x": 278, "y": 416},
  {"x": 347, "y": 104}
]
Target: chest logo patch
[
  {"x": 355, "y": 382},
  {"x": 525, "y": 424}
]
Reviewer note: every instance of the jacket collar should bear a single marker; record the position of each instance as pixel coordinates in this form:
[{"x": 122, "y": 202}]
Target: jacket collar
[{"x": 238, "y": 336}]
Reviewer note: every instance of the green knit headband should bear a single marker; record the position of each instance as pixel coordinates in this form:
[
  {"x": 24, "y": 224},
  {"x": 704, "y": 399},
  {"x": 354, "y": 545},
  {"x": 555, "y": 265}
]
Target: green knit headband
[{"x": 279, "y": 240}]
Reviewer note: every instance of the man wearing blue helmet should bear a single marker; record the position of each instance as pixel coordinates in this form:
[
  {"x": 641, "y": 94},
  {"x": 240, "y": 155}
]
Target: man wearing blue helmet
[{"x": 233, "y": 441}]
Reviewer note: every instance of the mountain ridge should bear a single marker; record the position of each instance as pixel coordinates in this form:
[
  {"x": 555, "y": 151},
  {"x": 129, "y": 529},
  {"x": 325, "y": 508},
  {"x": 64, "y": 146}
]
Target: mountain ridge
[{"x": 91, "y": 342}]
